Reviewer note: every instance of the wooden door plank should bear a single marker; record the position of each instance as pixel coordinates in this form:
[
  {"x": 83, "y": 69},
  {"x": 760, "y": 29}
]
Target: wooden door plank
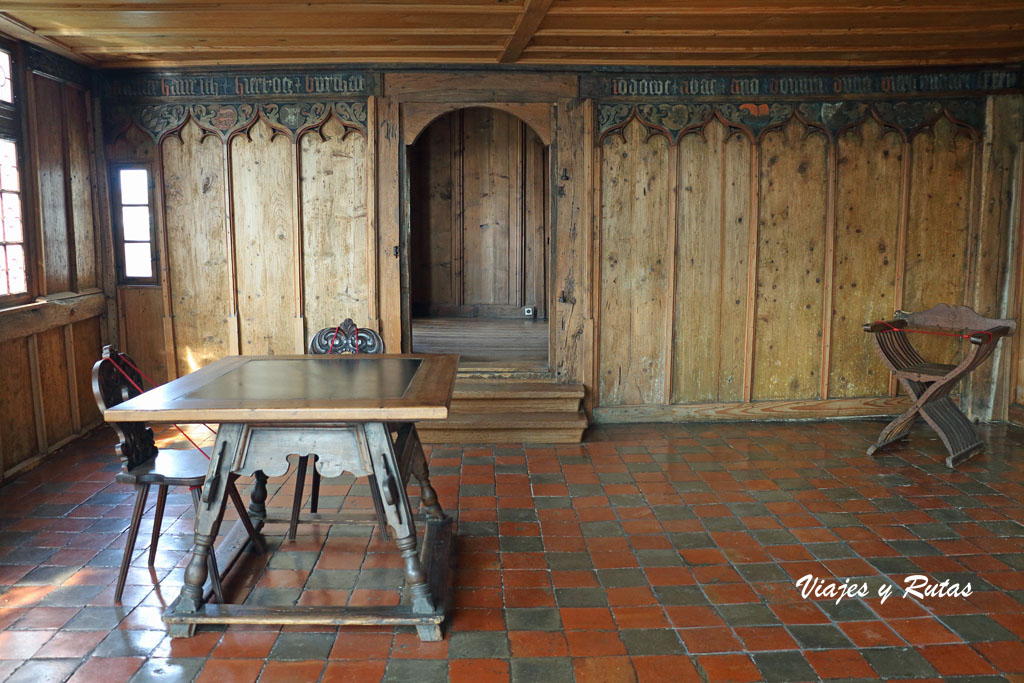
[
  {"x": 334, "y": 227},
  {"x": 200, "y": 278}
]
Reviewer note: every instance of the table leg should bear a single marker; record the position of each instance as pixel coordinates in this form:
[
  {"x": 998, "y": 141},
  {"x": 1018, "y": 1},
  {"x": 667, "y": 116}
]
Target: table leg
[
  {"x": 258, "y": 497},
  {"x": 208, "y": 518},
  {"x": 418, "y": 466},
  {"x": 399, "y": 515}
]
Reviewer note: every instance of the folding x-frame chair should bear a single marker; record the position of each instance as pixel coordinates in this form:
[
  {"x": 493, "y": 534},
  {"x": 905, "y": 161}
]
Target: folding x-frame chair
[{"x": 929, "y": 384}]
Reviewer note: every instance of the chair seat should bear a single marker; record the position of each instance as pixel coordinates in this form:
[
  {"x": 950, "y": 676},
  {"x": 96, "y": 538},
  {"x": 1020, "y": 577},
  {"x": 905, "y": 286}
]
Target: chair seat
[
  {"x": 925, "y": 370},
  {"x": 172, "y": 467}
]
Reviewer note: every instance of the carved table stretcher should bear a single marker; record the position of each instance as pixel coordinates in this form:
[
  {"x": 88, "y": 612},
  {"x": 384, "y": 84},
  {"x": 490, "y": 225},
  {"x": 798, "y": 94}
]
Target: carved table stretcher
[{"x": 338, "y": 409}]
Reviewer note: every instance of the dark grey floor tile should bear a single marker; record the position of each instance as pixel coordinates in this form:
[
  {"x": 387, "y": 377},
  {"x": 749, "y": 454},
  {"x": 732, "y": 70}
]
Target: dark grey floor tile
[
  {"x": 747, "y": 615},
  {"x": 521, "y": 544},
  {"x": 569, "y": 561},
  {"x": 44, "y": 671},
  {"x": 977, "y": 628},
  {"x": 96, "y": 619},
  {"x": 419, "y": 670},
  {"x": 380, "y": 578},
  {"x": 766, "y": 571},
  {"x": 301, "y": 646},
  {"x": 128, "y": 643},
  {"x": 546, "y": 669},
  {"x": 784, "y": 667},
  {"x": 819, "y": 636},
  {"x": 621, "y": 578},
  {"x": 680, "y": 595},
  {"x": 533, "y": 619},
  {"x": 47, "y": 576},
  {"x": 659, "y": 558},
  {"x": 581, "y": 597},
  {"x": 478, "y": 645},
  {"x": 71, "y": 596},
  {"x": 898, "y": 662},
  {"x": 273, "y": 597},
  {"x": 654, "y": 641},
  {"x": 334, "y": 579},
  {"x": 293, "y": 560}
]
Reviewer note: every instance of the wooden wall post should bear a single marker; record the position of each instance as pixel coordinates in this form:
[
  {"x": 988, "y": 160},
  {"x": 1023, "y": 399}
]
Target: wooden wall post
[
  {"x": 388, "y": 212},
  {"x": 988, "y": 396},
  {"x": 571, "y": 323}
]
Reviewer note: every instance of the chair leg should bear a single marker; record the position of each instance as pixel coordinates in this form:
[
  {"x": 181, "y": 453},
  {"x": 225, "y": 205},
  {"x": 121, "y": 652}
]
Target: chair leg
[
  {"x": 141, "y": 492},
  {"x": 158, "y": 516},
  {"x": 314, "y": 493},
  {"x": 300, "y": 479},
  {"x": 211, "y": 559}
]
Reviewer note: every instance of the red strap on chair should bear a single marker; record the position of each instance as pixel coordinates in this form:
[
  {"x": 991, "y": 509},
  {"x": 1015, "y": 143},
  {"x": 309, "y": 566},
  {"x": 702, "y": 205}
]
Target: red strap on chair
[
  {"x": 129, "y": 378},
  {"x": 330, "y": 347}
]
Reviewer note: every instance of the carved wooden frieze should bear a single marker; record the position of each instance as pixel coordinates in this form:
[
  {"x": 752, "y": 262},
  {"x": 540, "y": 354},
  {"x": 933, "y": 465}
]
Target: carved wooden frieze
[
  {"x": 226, "y": 119},
  {"x": 227, "y": 103},
  {"x": 753, "y": 118}
]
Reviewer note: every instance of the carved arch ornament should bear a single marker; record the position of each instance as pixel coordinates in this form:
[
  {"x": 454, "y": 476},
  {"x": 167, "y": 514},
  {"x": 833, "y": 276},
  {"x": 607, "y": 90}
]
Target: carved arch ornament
[
  {"x": 226, "y": 120},
  {"x": 674, "y": 120}
]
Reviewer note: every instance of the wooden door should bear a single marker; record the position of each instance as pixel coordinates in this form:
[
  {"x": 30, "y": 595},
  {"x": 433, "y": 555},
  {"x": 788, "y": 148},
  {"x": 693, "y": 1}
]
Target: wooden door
[{"x": 478, "y": 181}]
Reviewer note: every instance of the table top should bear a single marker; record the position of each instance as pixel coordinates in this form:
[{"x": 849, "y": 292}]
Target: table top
[{"x": 311, "y": 388}]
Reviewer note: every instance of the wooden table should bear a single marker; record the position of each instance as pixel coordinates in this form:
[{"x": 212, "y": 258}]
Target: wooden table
[{"x": 338, "y": 408}]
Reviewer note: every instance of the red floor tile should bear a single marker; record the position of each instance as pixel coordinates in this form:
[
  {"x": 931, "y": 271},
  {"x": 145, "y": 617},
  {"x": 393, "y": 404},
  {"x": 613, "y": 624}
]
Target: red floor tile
[
  {"x": 537, "y": 644},
  {"x": 729, "y": 668},
  {"x": 1004, "y": 655},
  {"x": 665, "y": 668},
  {"x": 230, "y": 671},
  {"x": 603, "y": 670},
  {"x": 839, "y": 664},
  {"x": 478, "y": 671}
]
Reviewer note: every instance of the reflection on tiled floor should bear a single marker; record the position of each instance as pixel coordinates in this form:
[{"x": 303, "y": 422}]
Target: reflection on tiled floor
[{"x": 650, "y": 552}]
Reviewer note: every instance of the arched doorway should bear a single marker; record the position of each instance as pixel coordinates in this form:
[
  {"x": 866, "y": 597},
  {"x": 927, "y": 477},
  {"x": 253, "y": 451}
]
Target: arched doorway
[{"x": 478, "y": 238}]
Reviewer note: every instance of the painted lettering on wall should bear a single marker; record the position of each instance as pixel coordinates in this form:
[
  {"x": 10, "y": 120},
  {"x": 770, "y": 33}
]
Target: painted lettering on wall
[
  {"x": 801, "y": 85},
  {"x": 240, "y": 85}
]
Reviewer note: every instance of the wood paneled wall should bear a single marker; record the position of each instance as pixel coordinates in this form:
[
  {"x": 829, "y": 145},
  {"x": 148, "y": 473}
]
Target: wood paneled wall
[
  {"x": 720, "y": 271},
  {"x": 48, "y": 346},
  {"x": 735, "y": 272},
  {"x": 264, "y": 241},
  {"x": 478, "y": 216}
]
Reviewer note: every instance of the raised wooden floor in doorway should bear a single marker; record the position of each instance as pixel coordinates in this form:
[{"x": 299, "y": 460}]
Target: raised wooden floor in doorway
[{"x": 519, "y": 343}]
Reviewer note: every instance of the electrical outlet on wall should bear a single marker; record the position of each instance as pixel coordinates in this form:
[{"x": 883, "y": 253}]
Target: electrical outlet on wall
[{"x": 529, "y": 311}]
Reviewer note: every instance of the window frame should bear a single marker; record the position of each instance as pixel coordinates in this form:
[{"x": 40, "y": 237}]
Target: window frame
[
  {"x": 11, "y": 128},
  {"x": 117, "y": 223}
]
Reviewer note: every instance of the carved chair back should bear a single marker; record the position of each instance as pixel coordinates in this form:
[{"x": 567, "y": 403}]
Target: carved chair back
[
  {"x": 346, "y": 338},
  {"x": 115, "y": 380},
  {"x": 954, "y": 318}
]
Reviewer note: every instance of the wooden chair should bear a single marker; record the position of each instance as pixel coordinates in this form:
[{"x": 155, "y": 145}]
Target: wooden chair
[
  {"x": 929, "y": 384},
  {"x": 347, "y": 338},
  {"x": 114, "y": 380}
]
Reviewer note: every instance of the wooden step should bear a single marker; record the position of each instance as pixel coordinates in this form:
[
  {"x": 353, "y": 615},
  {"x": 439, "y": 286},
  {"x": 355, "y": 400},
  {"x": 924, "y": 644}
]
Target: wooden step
[
  {"x": 506, "y": 427},
  {"x": 505, "y": 410},
  {"x": 513, "y": 396}
]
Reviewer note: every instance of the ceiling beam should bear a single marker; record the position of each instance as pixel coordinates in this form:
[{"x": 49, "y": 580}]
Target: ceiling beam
[
  {"x": 527, "y": 24},
  {"x": 21, "y": 31}
]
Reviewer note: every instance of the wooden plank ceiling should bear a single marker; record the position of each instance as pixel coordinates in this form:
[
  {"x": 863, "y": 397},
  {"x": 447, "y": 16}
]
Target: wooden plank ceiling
[{"x": 164, "y": 33}]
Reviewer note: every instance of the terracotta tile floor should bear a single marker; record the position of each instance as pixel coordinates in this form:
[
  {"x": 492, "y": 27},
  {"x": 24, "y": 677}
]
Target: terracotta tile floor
[{"x": 650, "y": 552}]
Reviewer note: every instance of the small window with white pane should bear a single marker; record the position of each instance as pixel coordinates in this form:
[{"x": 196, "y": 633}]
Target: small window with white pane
[
  {"x": 133, "y": 224},
  {"x": 14, "y": 284},
  {"x": 13, "y": 280}
]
